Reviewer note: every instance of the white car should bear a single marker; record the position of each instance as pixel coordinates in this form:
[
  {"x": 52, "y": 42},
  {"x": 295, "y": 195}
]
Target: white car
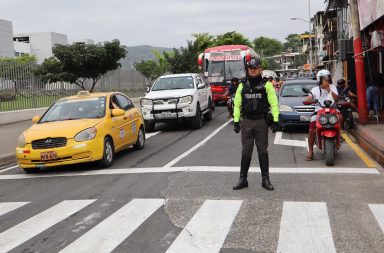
[{"x": 177, "y": 97}]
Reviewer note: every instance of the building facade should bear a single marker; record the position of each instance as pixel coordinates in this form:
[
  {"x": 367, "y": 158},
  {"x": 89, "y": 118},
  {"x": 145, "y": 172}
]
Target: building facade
[{"x": 6, "y": 35}]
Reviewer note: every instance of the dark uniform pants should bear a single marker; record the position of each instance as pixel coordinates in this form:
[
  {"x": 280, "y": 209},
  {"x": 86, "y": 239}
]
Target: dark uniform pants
[{"x": 254, "y": 132}]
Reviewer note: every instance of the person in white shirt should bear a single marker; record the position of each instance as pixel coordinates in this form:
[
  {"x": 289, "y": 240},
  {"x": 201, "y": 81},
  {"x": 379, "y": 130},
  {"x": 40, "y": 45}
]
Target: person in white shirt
[{"x": 325, "y": 91}]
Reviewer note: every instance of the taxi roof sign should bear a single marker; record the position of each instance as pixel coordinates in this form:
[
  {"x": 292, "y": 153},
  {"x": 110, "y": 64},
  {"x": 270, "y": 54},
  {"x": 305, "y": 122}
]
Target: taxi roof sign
[{"x": 83, "y": 93}]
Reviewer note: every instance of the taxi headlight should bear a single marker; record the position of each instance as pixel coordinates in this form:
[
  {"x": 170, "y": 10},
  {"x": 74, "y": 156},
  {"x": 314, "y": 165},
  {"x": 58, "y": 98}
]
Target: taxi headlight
[
  {"x": 145, "y": 102},
  {"x": 323, "y": 120},
  {"x": 333, "y": 119},
  {"x": 86, "y": 135},
  {"x": 186, "y": 100},
  {"x": 21, "y": 141},
  {"x": 285, "y": 108}
]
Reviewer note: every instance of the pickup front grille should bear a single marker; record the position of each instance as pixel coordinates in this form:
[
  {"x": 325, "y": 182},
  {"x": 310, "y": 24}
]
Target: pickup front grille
[{"x": 49, "y": 143}]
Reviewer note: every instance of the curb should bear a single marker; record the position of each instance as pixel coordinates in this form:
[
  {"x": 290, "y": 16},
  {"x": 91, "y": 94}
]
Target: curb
[
  {"x": 7, "y": 159},
  {"x": 369, "y": 143}
]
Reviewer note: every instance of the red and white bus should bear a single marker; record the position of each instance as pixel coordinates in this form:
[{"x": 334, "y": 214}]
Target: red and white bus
[{"x": 220, "y": 64}]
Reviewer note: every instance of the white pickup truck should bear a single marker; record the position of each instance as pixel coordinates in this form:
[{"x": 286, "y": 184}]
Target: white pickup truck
[{"x": 177, "y": 97}]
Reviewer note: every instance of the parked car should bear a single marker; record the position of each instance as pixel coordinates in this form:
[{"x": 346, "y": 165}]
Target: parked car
[
  {"x": 83, "y": 128},
  {"x": 180, "y": 97},
  {"x": 291, "y": 97}
]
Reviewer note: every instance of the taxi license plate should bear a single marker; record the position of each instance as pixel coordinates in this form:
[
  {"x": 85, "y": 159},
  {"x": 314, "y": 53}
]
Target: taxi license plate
[
  {"x": 46, "y": 156},
  {"x": 166, "y": 114},
  {"x": 305, "y": 118}
]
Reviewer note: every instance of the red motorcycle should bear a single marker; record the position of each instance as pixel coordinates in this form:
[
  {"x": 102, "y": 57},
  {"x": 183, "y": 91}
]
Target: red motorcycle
[{"x": 328, "y": 137}]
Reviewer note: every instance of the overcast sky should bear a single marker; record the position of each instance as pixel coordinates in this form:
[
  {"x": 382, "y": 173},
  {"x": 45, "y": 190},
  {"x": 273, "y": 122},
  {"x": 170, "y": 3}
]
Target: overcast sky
[{"x": 166, "y": 23}]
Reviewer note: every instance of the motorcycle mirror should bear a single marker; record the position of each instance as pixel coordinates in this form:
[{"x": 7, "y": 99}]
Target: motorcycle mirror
[
  {"x": 327, "y": 103},
  {"x": 305, "y": 90}
]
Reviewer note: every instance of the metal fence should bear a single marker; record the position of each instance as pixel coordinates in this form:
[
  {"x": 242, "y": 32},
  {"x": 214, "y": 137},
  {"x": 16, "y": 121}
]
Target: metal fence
[{"x": 20, "y": 89}]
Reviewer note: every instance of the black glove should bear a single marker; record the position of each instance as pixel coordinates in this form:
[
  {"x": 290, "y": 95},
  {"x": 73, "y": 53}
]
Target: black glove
[
  {"x": 236, "y": 127},
  {"x": 275, "y": 127}
]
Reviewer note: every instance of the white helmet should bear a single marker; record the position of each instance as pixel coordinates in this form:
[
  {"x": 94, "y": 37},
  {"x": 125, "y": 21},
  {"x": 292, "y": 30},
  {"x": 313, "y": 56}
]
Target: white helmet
[{"x": 323, "y": 73}]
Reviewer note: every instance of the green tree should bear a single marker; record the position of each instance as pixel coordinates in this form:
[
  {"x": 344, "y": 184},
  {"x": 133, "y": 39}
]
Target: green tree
[
  {"x": 292, "y": 42},
  {"x": 232, "y": 38},
  {"x": 183, "y": 60},
  {"x": 267, "y": 47},
  {"x": 78, "y": 62},
  {"x": 150, "y": 69}
]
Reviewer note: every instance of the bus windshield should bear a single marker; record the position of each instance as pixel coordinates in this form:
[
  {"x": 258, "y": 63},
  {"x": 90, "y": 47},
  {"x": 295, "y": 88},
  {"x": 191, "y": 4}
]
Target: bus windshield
[{"x": 234, "y": 69}]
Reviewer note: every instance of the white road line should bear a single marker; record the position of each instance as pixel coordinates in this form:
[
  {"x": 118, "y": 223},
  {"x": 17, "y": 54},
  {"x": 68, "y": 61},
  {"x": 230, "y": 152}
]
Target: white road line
[
  {"x": 149, "y": 135},
  {"x": 291, "y": 170},
  {"x": 9, "y": 168},
  {"x": 7, "y": 207},
  {"x": 208, "y": 228},
  {"x": 24, "y": 231},
  {"x": 177, "y": 159},
  {"x": 280, "y": 141},
  {"x": 305, "y": 227},
  {"x": 108, "y": 234},
  {"x": 378, "y": 211}
]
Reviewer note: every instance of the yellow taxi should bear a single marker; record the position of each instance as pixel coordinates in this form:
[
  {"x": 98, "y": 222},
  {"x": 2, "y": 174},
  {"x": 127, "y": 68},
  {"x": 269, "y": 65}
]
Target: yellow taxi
[{"x": 82, "y": 128}]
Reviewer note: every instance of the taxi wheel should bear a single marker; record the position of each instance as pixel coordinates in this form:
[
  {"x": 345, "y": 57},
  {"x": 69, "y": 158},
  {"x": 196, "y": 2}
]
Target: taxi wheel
[
  {"x": 31, "y": 170},
  {"x": 140, "y": 139},
  {"x": 108, "y": 156}
]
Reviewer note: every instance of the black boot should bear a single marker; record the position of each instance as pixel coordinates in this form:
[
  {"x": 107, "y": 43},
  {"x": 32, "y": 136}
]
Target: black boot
[
  {"x": 264, "y": 167},
  {"x": 243, "y": 182}
]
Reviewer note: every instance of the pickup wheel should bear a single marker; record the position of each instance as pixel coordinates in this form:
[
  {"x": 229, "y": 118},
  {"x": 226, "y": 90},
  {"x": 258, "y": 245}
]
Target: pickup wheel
[
  {"x": 149, "y": 125},
  {"x": 197, "y": 121},
  {"x": 208, "y": 114}
]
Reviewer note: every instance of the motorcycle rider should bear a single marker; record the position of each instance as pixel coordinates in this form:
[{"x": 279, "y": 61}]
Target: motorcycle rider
[
  {"x": 325, "y": 91},
  {"x": 345, "y": 91},
  {"x": 254, "y": 99},
  {"x": 231, "y": 92}
]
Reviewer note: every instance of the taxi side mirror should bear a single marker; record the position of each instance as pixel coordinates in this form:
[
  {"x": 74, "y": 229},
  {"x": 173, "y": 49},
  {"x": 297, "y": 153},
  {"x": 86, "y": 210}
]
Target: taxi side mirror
[
  {"x": 36, "y": 119},
  {"x": 117, "y": 112}
]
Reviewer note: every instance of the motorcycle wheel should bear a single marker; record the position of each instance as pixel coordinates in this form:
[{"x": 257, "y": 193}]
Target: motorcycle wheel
[
  {"x": 329, "y": 152},
  {"x": 348, "y": 121}
]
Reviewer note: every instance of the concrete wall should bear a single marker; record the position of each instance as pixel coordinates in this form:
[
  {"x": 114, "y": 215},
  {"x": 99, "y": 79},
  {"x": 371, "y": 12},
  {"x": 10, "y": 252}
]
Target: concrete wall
[
  {"x": 22, "y": 115},
  {"x": 6, "y": 39}
]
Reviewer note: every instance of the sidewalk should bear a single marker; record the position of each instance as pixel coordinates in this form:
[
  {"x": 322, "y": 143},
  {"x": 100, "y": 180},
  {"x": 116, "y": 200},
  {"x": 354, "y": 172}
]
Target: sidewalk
[{"x": 370, "y": 137}]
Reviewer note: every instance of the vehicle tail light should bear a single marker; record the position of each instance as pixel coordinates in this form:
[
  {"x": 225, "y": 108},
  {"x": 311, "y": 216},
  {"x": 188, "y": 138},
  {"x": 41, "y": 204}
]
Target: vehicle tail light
[{"x": 217, "y": 89}]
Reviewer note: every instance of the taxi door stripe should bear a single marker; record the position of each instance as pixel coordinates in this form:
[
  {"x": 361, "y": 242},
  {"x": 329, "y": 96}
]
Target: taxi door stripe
[
  {"x": 24, "y": 231},
  {"x": 109, "y": 233},
  {"x": 305, "y": 227},
  {"x": 378, "y": 212},
  {"x": 208, "y": 228},
  {"x": 7, "y": 207}
]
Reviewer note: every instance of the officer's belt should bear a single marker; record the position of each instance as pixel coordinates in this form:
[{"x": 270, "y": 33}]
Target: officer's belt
[{"x": 254, "y": 116}]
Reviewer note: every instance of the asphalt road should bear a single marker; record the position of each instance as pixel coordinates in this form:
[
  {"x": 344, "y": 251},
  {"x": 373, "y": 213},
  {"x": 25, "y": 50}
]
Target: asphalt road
[{"x": 176, "y": 195}]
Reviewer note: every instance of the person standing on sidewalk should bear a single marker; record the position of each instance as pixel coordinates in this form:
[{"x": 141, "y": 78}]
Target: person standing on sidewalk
[{"x": 254, "y": 99}]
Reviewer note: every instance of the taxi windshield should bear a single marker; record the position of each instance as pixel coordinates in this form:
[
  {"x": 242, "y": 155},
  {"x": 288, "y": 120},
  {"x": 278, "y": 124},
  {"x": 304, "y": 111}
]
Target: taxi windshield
[{"x": 71, "y": 109}]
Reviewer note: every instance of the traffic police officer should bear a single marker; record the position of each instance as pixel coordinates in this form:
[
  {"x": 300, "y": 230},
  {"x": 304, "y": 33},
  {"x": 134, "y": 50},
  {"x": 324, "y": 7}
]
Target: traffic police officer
[{"x": 254, "y": 99}]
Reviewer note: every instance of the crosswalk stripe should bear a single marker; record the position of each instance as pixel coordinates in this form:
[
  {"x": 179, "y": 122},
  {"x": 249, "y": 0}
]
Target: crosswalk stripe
[
  {"x": 208, "y": 228},
  {"x": 108, "y": 234},
  {"x": 305, "y": 227},
  {"x": 7, "y": 207},
  {"x": 24, "y": 231},
  {"x": 378, "y": 212}
]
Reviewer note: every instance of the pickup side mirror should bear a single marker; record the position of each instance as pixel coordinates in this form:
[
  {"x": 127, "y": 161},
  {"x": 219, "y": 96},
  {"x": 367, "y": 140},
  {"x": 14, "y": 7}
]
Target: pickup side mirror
[
  {"x": 117, "y": 112},
  {"x": 201, "y": 86},
  {"x": 36, "y": 119},
  {"x": 147, "y": 89}
]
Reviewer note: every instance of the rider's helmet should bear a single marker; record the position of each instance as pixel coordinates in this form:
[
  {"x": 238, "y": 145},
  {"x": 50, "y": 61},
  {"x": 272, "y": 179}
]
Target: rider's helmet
[
  {"x": 254, "y": 62},
  {"x": 266, "y": 75},
  {"x": 323, "y": 73}
]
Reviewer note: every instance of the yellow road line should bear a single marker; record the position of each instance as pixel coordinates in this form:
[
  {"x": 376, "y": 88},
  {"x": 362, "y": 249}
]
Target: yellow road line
[{"x": 366, "y": 159}]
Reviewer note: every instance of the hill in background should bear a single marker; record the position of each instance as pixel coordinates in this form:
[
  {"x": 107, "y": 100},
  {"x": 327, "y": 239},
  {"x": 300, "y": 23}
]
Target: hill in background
[{"x": 140, "y": 53}]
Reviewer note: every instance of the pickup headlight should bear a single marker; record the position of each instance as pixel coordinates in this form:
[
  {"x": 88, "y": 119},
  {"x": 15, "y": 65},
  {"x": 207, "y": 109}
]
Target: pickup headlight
[
  {"x": 86, "y": 135},
  {"x": 145, "y": 102},
  {"x": 186, "y": 100},
  {"x": 285, "y": 108},
  {"x": 21, "y": 141}
]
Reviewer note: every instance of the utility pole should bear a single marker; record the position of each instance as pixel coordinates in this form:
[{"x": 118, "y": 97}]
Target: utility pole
[
  {"x": 359, "y": 65},
  {"x": 310, "y": 35}
]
